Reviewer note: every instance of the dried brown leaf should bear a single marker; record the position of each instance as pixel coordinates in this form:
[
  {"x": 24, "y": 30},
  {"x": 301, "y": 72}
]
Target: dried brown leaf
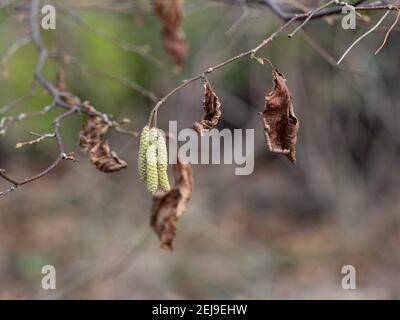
[
  {"x": 280, "y": 122},
  {"x": 212, "y": 110},
  {"x": 92, "y": 129},
  {"x": 168, "y": 207},
  {"x": 93, "y": 144},
  {"x": 173, "y": 37},
  {"x": 104, "y": 159}
]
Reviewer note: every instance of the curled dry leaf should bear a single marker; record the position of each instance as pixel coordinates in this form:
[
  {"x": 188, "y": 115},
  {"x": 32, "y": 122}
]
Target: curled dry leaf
[
  {"x": 212, "y": 111},
  {"x": 104, "y": 159},
  {"x": 280, "y": 122},
  {"x": 169, "y": 206},
  {"x": 92, "y": 129},
  {"x": 93, "y": 144},
  {"x": 173, "y": 37}
]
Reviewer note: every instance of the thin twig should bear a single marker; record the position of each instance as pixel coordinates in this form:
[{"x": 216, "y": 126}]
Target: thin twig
[
  {"x": 68, "y": 59},
  {"x": 73, "y": 105},
  {"x": 6, "y": 108},
  {"x": 243, "y": 17},
  {"x": 15, "y": 47},
  {"x": 321, "y": 11},
  {"x": 65, "y": 100},
  {"x": 252, "y": 52},
  {"x": 61, "y": 156},
  {"x": 6, "y": 122},
  {"x": 324, "y": 54},
  {"x": 247, "y": 53},
  {"x": 71, "y": 109},
  {"x": 309, "y": 17},
  {"x": 40, "y": 138},
  {"x": 388, "y": 32},
  {"x": 142, "y": 50},
  {"x": 364, "y": 35},
  {"x": 285, "y": 16}
]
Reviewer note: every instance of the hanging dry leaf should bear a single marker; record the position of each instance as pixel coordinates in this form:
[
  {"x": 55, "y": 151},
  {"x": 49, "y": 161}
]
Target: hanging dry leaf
[
  {"x": 92, "y": 130},
  {"x": 169, "y": 206},
  {"x": 173, "y": 37},
  {"x": 212, "y": 111},
  {"x": 280, "y": 122},
  {"x": 92, "y": 143},
  {"x": 104, "y": 159}
]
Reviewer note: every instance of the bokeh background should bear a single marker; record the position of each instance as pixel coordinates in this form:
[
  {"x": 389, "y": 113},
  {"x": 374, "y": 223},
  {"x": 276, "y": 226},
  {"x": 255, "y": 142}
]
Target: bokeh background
[{"x": 283, "y": 232}]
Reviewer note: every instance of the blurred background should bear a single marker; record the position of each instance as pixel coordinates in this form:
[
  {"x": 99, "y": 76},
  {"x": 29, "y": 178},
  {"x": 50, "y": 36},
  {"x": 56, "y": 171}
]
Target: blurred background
[{"x": 283, "y": 232}]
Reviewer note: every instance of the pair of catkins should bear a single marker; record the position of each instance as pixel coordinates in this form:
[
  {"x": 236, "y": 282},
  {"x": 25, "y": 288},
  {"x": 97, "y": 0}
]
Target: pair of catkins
[{"x": 153, "y": 160}]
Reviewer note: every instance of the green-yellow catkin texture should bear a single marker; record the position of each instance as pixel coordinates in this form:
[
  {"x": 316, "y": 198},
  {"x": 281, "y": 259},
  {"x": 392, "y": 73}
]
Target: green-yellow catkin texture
[
  {"x": 144, "y": 144},
  {"x": 153, "y": 135},
  {"x": 151, "y": 162},
  {"x": 162, "y": 154}
]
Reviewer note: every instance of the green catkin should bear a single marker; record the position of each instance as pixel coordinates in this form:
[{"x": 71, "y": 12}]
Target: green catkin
[
  {"x": 151, "y": 162},
  {"x": 143, "y": 146},
  {"x": 162, "y": 165}
]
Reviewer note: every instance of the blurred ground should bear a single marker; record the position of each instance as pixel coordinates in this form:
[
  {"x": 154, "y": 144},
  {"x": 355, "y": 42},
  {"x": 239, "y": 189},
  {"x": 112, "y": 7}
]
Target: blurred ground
[{"x": 283, "y": 232}]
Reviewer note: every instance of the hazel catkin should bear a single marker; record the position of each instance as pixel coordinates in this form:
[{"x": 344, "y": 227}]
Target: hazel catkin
[
  {"x": 143, "y": 146},
  {"x": 162, "y": 163},
  {"x": 151, "y": 162}
]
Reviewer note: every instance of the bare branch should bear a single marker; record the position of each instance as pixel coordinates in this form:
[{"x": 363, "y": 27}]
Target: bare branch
[
  {"x": 321, "y": 11},
  {"x": 286, "y": 16},
  {"x": 73, "y": 105},
  {"x": 244, "y": 16},
  {"x": 324, "y": 54},
  {"x": 142, "y": 50},
  {"x": 311, "y": 13},
  {"x": 14, "y": 48},
  {"x": 249, "y": 53},
  {"x": 61, "y": 99},
  {"x": 40, "y": 138},
  {"x": 6, "y": 122},
  {"x": 68, "y": 59},
  {"x": 15, "y": 103},
  {"x": 61, "y": 156},
  {"x": 364, "y": 35},
  {"x": 388, "y": 32}
]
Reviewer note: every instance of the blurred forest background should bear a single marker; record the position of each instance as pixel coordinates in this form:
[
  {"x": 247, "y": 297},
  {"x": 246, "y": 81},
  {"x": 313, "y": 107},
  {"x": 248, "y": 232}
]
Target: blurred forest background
[{"x": 283, "y": 232}]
